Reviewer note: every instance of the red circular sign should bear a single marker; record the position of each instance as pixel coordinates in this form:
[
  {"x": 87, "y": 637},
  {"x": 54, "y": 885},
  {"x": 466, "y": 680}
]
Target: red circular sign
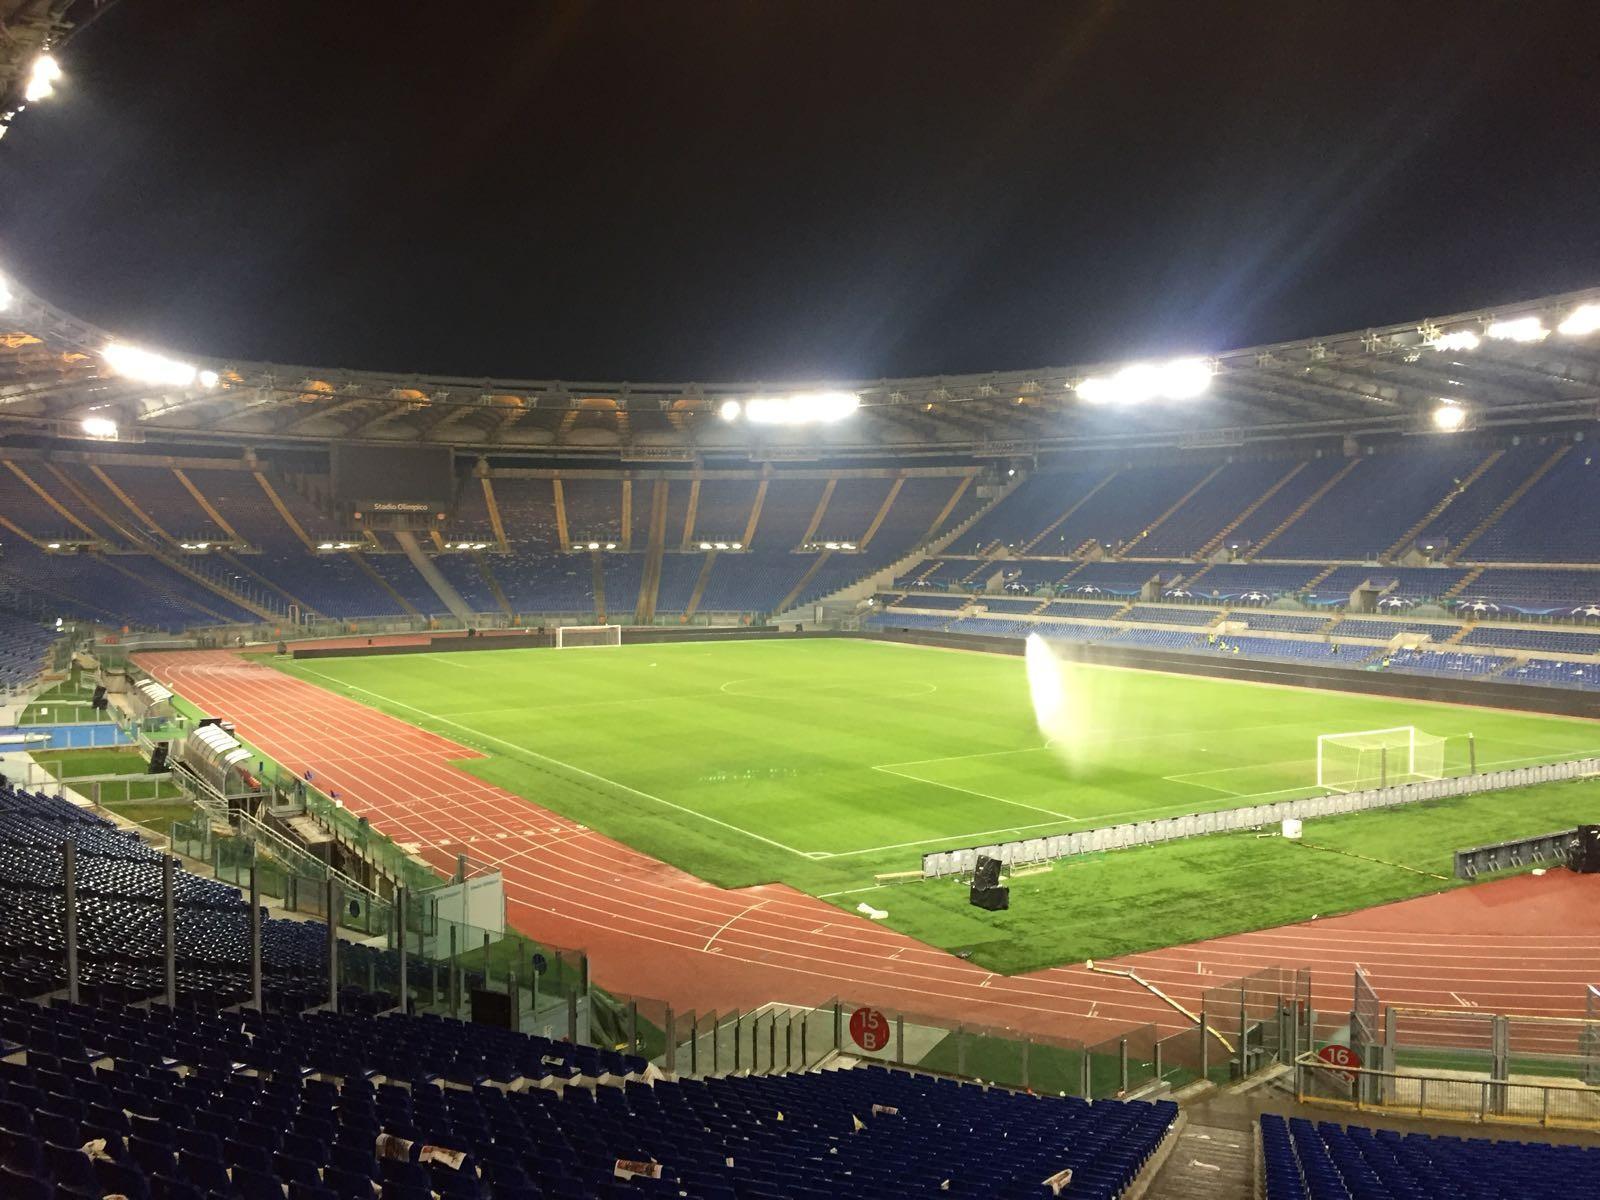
[
  {"x": 1341, "y": 1057},
  {"x": 870, "y": 1029}
]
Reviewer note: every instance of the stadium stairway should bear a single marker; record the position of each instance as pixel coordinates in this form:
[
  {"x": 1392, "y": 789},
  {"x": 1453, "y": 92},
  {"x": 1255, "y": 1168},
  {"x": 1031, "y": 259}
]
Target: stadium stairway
[
  {"x": 700, "y": 585},
  {"x": 1505, "y": 505},
  {"x": 1127, "y": 546},
  {"x": 1063, "y": 518},
  {"x": 441, "y": 586},
  {"x": 1404, "y": 541},
  {"x": 366, "y": 568},
  {"x": 496, "y": 524},
  {"x": 882, "y": 577},
  {"x": 1466, "y": 581},
  {"x": 1332, "y": 482},
  {"x": 597, "y": 573},
  {"x": 166, "y": 555},
  {"x": 493, "y": 584},
  {"x": 1215, "y": 543}
]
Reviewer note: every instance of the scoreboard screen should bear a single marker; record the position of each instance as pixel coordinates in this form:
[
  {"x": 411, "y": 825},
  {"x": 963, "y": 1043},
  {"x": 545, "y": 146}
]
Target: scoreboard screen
[{"x": 389, "y": 477}]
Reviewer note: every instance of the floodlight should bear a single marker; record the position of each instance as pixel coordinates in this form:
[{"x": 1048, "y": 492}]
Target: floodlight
[
  {"x": 1449, "y": 416},
  {"x": 801, "y": 408},
  {"x": 706, "y": 546},
  {"x": 830, "y": 545},
  {"x": 100, "y": 427},
  {"x": 594, "y": 545},
  {"x": 1456, "y": 339},
  {"x": 5, "y": 293},
  {"x": 847, "y": 545},
  {"x": 145, "y": 366},
  {"x": 721, "y": 545},
  {"x": 737, "y": 545},
  {"x": 730, "y": 410},
  {"x": 42, "y": 79},
  {"x": 324, "y": 545},
  {"x": 53, "y": 546},
  {"x": 611, "y": 545},
  {"x": 1180, "y": 379},
  {"x": 1580, "y": 322},
  {"x": 1523, "y": 329},
  {"x": 209, "y": 379}
]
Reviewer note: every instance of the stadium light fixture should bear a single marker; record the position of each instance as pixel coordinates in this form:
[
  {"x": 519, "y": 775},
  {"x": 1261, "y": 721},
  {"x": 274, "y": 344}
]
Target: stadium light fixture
[
  {"x": 721, "y": 545},
  {"x": 146, "y": 366},
  {"x": 801, "y": 408},
  {"x": 100, "y": 427},
  {"x": 1456, "y": 339},
  {"x": 730, "y": 410},
  {"x": 41, "y": 79},
  {"x": 1523, "y": 329},
  {"x": 707, "y": 546},
  {"x": 594, "y": 545},
  {"x": 1580, "y": 322},
  {"x": 52, "y": 545},
  {"x": 1449, "y": 416},
  {"x": 1180, "y": 379},
  {"x": 611, "y": 545},
  {"x": 324, "y": 545},
  {"x": 209, "y": 379},
  {"x": 6, "y": 297}
]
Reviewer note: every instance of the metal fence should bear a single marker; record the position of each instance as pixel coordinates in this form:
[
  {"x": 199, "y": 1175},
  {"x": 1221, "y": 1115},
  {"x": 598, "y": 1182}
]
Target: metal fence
[
  {"x": 1254, "y": 816},
  {"x": 1444, "y": 1095}
]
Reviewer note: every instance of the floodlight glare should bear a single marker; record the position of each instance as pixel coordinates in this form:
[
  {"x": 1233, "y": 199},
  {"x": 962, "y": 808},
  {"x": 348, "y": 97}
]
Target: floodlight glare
[
  {"x": 42, "y": 79},
  {"x": 706, "y": 546},
  {"x": 145, "y": 366},
  {"x": 1457, "y": 339},
  {"x": 730, "y": 410},
  {"x": 5, "y": 293},
  {"x": 594, "y": 545},
  {"x": 611, "y": 545},
  {"x": 1580, "y": 322},
  {"x": 801, "y": 408},
  {"x": 1180, "y": 379},
  {"x": 100, "y": 427},
  {"x": 209, "y": 379},
  {"x": 738, "y": 545},
  {"x": 1449, "y": 416},
  {"x": 1523, "y": 329}
]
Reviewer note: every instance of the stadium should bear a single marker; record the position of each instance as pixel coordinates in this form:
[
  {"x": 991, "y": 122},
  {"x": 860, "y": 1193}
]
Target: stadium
[{"x": 420, "y": 785}]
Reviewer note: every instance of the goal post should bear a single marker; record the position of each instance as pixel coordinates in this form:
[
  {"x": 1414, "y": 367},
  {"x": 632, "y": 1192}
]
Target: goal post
[
  {"x": 570, "y": 637},
  {"x": 1369, "y": 758}
]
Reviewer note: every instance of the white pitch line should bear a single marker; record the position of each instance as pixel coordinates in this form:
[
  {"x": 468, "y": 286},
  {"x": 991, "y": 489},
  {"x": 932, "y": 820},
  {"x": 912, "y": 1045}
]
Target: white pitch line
[
  {"x": 730, "y": 921},
  {"x": 1049, "y": 812},
  {"x": 515, "y": 748}
]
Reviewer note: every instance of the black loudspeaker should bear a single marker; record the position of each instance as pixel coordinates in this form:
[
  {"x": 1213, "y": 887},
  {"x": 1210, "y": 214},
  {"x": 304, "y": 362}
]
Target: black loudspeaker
[
  {"x": 1586, "y": 854},
  {"x": 99, "y": 691},
  {"x": 986, "y": 874},
  {"x": 994, "y": 898},
  {"x": 491, "y": 1008},
  {"x": 158, "y": 758}
]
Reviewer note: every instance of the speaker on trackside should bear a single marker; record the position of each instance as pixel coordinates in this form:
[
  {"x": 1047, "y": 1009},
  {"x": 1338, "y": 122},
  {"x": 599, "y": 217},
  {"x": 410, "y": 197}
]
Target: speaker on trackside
[
  {"x": 994, "y": 899},
  {"x": 158, "y": 758},
  {"x": 1586, "y": 852},
  {"x": 986, "y": 874}
]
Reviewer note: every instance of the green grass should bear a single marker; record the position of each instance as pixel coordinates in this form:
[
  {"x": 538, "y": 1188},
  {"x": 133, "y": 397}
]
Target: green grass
[
  {"x": 67, "y": 702},
  {"x": 79, "y": 764},
  {"x": 155, "y": 815},
  {"x": 822, "y": 763}
]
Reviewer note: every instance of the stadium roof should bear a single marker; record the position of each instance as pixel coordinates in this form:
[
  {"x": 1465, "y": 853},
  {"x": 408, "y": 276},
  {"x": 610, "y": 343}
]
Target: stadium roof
[
  {"x": 29, "y": 28},
  {"x": 1519, "y": 364}
]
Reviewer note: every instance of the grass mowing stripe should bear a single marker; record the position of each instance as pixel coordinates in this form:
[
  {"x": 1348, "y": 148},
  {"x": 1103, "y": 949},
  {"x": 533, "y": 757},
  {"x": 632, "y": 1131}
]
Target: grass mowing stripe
[{"x": 556, "y": 762}]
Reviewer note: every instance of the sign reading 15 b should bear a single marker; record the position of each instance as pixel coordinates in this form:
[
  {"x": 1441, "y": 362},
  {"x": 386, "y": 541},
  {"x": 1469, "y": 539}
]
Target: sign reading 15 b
[{"x": 869, "y": 1029}]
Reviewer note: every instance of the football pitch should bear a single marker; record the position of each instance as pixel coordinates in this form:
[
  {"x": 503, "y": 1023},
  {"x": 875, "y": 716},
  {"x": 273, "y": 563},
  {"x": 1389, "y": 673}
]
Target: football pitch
[{"x": 822, "y": 762}]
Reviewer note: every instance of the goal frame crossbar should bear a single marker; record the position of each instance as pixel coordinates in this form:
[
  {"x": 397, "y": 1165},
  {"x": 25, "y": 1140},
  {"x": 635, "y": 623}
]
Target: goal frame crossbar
[
  {"x": 1409, "y": 745},
  {"x": 613, "y": 632}
]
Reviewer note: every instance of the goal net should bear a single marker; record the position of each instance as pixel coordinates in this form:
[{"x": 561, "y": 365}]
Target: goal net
[
  {"x": 1370, "y": 758},
  {"x": 571, "y": 636}
]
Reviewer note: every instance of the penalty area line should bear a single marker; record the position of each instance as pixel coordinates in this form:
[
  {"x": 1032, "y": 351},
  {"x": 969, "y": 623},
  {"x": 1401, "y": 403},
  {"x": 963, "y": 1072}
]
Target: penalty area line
[
  {"x": 565, "y": 766},
  {"x": 1049, "y": 812}
]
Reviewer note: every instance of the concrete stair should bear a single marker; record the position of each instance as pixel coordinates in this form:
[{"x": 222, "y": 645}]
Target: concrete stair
[
  {"x": 1449, "y": 498},
  {"x": 1305, "y": 507},
  {"x": 700, "y": 585},
  {"x": 1460, "y": 635},
  {"x": 1316, "y": 580},
  {"x": 441, "y": 586},
  {"x": 405, "y": 605},
  {"x": 1212, "y": 546},
  {"x": 1059, "y": 521},
  {"x": 1504, "y": 506},
  {"x": 1467, "y": 580},
  {"x": 1179, "y": 503},
  {"x": 1070, "y": 574},
  {"x": 800, "y": 585},
  {"x": 597, "y": 576},
  {"x": 491, "y": 582}
]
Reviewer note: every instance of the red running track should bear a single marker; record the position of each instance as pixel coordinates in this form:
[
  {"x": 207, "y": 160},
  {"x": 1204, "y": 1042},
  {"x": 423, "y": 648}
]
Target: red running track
[{"x": 1522, "y": 944}]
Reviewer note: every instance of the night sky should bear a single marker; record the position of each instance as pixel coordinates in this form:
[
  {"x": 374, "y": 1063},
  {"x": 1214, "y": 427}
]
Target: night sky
[{"x": 699, "y": 190}]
